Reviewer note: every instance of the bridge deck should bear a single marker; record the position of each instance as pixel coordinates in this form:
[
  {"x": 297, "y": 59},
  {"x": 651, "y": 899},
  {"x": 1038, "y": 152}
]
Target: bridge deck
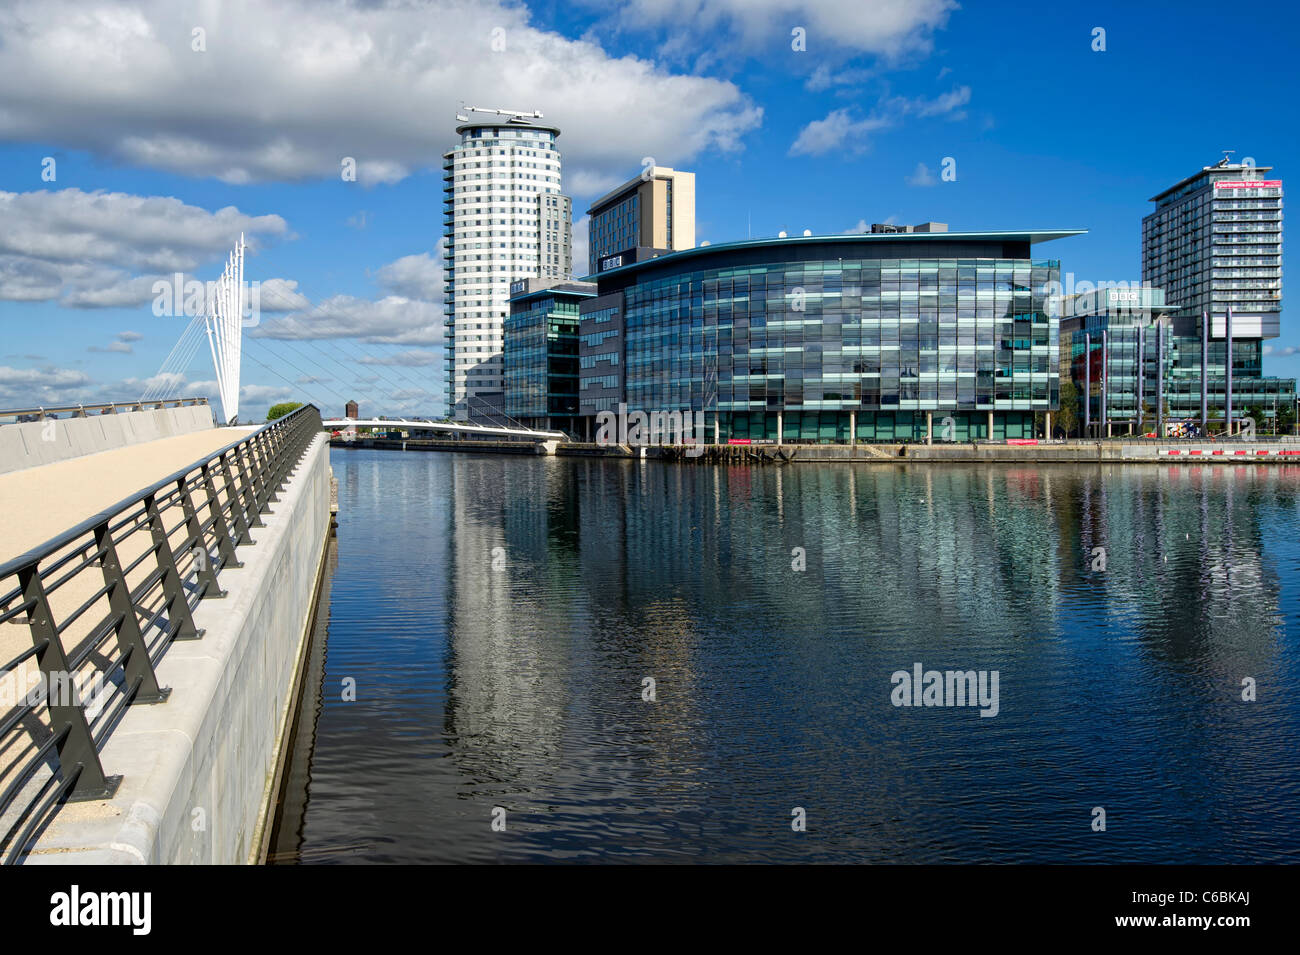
[
  {"x": 450, "y": 427},
  {"x": 38, "y": 503}
]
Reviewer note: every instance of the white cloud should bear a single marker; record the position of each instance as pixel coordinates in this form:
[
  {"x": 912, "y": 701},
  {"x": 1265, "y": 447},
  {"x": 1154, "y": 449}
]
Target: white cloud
[
  {"x": 286, "y": 91},
  {"x": 889, "y": 28},
  {"x": 119, "y": 347},
  {"x": 41, "y": 377},
  {"x": 413, "y": 358},
  {"x": 409, "y": 396},
  {"x": 949, "y": 104},
  {"x": 921, "y": 176},
  {"x": 390, "y": 320},
  {"x": 281, "y": 295},
  {"x": 106, "y": 249},
  {"x": 581, "y": 245},
  {"x": 864, "y": 227},
  {"x": 252, "y": 393},
  {"x": 48, "y": 386},
  {"x": 594, "y": 184},
  {"x": 841, "y": 130},
  {"x": 413, "y": 276},
  {"x": 825, "y": 77},
  {"x": 838, "y": 131}
]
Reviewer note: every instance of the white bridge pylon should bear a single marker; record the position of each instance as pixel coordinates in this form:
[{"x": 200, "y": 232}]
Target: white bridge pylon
[{"x": 224, "y": 318}]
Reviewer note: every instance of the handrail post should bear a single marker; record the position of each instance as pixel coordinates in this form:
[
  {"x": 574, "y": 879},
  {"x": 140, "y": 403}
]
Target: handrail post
[
  {"x": 276, "y": 439},
  {"x": 258, "y": 472},
  {"x": 236, "y": 507},
  {"x": 205, "y": 572},
  {"x": 285, "y": 455},
  {"x": 225, "y": 543},
  {"x": 250, "y": 493},
  {"x": 67, "y": 717},
  {"x": 178, "y": 609},
  {"x": 136, "y": 665},
  {"x": 264, "y": 452}
]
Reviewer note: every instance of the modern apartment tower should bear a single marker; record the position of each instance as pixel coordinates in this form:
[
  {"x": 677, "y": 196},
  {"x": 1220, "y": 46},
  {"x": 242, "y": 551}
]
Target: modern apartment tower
[
  {"x": 1214, "y": 243},
  {"x": 504, "y": 219},
  {"x": 655, "y": 211}
]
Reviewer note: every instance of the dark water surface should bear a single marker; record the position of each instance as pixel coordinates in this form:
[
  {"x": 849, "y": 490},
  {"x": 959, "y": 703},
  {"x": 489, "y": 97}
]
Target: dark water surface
[{"x": 521, "y": 687}]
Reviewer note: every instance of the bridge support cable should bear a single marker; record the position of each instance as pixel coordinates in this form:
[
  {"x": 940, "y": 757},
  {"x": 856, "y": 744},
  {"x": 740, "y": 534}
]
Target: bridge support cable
[
  {"x": 295, "y": 386},
  {"x": 502, "y": 413},
  {"x": 270, "y": 354},
  {"x": 177, "y": 362},
  {"x": 264, "y": 343},
  {"x": 398, "y": 383},
  {"x": 389, "y": 381},
  {"x": 375, "y": 362}
]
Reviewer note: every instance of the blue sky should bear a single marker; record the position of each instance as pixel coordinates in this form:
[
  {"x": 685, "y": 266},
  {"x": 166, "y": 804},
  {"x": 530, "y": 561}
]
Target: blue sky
[{"x": 164, "y": 152}]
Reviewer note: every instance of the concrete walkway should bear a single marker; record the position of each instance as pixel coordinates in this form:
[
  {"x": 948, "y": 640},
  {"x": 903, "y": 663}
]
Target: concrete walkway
[{"x": 38, "y": 503}]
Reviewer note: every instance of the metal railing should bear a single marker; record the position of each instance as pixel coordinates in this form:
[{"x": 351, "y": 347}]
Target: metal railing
[
  {"x": 158, "y": 553},
  {"x": 20, "y": 415}
]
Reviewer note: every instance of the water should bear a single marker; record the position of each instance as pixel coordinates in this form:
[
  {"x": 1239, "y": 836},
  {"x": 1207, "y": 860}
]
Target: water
[{"x": 521, "y": 687}]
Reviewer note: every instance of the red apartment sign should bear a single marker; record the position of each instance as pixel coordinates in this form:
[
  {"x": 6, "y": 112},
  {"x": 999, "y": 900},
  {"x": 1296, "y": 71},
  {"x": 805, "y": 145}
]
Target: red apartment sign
[{"x": 1248, "y": 184}]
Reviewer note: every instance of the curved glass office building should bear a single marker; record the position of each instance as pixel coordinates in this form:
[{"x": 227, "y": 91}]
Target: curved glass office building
[{"x": 883, "y": 337}]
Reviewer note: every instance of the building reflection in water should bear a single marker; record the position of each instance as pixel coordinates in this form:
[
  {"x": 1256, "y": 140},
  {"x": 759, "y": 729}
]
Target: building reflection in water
[{"x": 1120, "y": 686}]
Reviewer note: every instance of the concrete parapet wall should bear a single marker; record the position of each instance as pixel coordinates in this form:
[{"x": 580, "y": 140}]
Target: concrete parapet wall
[
  {"x": 34, "y": 443},
  {"x": 198, "y": 770}
]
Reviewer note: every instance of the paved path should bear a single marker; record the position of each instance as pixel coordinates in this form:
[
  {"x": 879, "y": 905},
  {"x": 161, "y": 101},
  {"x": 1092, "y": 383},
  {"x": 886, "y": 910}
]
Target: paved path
[{"x": 39, "y": 503}]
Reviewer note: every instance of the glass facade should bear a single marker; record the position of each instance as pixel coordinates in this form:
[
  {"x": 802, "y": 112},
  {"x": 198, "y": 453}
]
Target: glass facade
[
  {"x": 541, "y": 358},
  {"x": 1116, "y": 335},
  {"x": 600, "y": 351},
  {"x": 613, "y": 229},
  {"x": 816, "y": 337}
]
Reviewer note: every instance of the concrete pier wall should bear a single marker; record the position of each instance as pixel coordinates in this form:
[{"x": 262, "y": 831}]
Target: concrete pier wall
[
  {"x": 1284, "y": 451},
  {"x": 198, "y": 771},
  {"x": 34, "y": 443}
]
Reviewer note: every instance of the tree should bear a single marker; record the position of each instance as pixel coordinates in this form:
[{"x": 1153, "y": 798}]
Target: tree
[
  {"x": 282, "y": 409},
  {"x": 1285, "y": 418},
  {"x": 1256, "y": 414},
  {"x": 1068, "y": 416},
  {"x": 1215, "y": 416}
]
